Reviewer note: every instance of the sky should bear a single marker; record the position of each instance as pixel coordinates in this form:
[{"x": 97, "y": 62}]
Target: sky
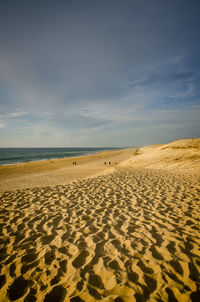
[{"x": 99, "y": 73}]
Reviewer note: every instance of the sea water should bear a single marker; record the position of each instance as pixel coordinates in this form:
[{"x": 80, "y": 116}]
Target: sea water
[{"x": 20, "y": 155}]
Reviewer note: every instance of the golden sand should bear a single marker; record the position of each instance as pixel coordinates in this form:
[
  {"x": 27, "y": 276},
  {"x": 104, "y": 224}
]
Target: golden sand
[
  {"x": 96, "y": 232},
  {"x": 59, "y": 171}
]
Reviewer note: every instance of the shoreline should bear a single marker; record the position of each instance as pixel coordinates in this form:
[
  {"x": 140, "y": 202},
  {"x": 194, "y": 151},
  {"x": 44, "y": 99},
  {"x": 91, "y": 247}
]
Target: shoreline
[
  {"x": 65, "y": 157},
  {"x": 46, "y": 159},
  {"x": 177, "y": 157},
  {"x": 59, "y": 171}
]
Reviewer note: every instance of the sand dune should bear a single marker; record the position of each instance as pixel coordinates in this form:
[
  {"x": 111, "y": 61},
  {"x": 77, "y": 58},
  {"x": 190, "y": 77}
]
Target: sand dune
[
  {"x": 183, "y": 144},
  {"x": 180, "y": 155},
  {"x": 129, "y": 235}
]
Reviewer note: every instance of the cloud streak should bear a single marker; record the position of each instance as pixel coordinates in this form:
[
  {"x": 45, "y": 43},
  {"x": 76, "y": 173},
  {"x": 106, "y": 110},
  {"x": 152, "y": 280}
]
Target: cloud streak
[{"x": 17, "y": 114}]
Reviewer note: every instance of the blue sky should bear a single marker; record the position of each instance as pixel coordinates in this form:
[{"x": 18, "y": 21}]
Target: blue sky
[{"x": 101, "y": 73}]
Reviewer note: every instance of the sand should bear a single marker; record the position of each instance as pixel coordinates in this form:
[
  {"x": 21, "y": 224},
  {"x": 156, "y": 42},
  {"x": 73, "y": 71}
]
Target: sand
[
  {"x": 125, "y": 232},
  {"x": 59, "y": 171},
  {"x": 178, "y": 156}
]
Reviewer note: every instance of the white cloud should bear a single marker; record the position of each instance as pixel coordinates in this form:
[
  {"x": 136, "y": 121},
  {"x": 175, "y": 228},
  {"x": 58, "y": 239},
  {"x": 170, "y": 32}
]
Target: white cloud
[
  {"x": 17, "y": 114},
  {"x": 2, "y": 125}
]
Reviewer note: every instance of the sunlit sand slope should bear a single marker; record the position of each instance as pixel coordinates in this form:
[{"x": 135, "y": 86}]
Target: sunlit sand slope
[
  {"x": 179, "y": 155},
  {"x": 132, "y": 235}
]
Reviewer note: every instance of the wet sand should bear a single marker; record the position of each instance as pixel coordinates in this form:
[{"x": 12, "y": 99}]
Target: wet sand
[{"x": 131, "y": 234}]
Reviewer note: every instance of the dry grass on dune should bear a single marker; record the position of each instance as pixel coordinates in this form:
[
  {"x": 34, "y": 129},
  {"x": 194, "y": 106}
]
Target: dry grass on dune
[
  {"x": 182, "y": 155},
  {"x": 183, "y": 144}
]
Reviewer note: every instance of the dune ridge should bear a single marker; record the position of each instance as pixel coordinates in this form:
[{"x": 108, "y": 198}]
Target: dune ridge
[
  {"x": 178, "y": 156},
  {"x": 131, "y": 234}
]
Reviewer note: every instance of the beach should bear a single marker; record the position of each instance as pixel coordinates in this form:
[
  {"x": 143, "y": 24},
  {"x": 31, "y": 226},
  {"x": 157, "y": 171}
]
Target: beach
[{"x": 118, "y": 226}]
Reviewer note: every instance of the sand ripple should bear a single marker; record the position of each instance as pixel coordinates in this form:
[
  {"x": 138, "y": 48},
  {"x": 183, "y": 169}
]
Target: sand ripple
[{"x": 132, "y": 235}]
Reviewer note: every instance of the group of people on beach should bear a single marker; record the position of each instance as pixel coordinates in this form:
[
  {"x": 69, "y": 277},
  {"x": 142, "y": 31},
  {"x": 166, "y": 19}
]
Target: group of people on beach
[{"x": 109, "y": 163}]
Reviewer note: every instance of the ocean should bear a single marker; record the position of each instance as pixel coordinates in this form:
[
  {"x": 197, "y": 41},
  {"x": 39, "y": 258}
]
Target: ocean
[{"x": 20, "y": 155}]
